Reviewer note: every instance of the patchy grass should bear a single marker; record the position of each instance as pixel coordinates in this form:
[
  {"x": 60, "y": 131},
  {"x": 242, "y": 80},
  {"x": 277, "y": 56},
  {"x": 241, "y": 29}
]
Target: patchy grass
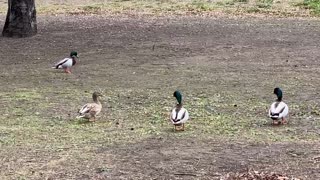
[
  {"x": 185, "y": 7},
  {"x": 264, "y": 3},
  {"x": 312, "y": 5},
  {"x": 30, "y": 119}
]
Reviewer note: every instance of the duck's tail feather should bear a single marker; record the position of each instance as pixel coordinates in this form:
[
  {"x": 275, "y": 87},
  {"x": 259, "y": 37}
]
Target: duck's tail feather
[
  {"x": 57, "y": 67},
  {"x": 80, "y": 116}
]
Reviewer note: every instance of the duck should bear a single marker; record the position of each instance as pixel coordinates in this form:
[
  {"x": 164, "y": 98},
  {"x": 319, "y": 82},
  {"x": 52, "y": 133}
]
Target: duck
[
  {"x": 179, "y": 115},
  {"x": 67, "y": 63},
  {"x": 279, "y": 110},
  {"x": 91, "y": 110}
]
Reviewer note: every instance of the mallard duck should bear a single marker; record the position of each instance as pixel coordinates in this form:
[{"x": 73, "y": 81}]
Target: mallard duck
[
  {"x": 91, "y": 110},
  {"x": 178, "y": 115},
  {"x": 278, "y": 110},
  {"x": 67, "y": 63}
]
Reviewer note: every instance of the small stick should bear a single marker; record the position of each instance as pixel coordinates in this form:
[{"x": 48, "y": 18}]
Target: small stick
[{"x": 184, "y": 174}]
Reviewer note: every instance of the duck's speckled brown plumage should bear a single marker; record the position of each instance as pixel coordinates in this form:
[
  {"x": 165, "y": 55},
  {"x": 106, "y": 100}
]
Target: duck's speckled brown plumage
[{"x": 91, "y": 110}]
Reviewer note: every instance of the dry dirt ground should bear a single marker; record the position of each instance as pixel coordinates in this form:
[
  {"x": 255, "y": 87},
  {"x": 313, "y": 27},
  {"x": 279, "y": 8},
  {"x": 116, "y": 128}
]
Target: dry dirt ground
[{"x": 226, "y": 69}]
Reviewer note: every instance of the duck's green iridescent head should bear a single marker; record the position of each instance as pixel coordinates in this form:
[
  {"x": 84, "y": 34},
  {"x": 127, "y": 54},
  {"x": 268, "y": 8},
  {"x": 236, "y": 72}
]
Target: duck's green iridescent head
[
  {"x": 178, "y": 96},
  {"x": 277, "y": 91},
  {"x": 73, "y": 54}
]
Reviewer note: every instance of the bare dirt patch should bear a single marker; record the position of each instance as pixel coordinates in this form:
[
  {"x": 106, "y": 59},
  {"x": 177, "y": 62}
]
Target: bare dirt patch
[{"x": 177, "y": 158}]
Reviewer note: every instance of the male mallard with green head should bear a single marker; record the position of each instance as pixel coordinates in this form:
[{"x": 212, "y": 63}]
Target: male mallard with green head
[
  {"x": 179, "y": 115},
  {"x": 91, "y": 110},
  {"x": 67, "y": 63},
  {"x": 278, "y": 110}
]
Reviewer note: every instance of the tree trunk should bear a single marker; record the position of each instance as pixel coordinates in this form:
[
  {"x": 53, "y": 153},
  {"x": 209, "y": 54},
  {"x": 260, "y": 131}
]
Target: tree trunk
[{"x": 21, "y": 19}]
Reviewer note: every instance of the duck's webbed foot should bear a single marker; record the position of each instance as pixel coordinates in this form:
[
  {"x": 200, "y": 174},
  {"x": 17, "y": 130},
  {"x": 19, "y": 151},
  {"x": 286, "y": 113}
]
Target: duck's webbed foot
[
  {"x": 284, "y": 121},
  {"x": 67, "y": 70},
  {"x": 179, "y": 127},
  {"x": 92, "y": 119},
  {"x": 275, "y": 122}
]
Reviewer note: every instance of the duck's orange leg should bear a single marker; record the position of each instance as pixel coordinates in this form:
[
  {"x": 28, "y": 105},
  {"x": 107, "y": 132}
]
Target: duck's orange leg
[
  {"x": 92, "y": 119},
  {"x": 179, "y": 127},
  {"x": 284, "y": 121},
  {"x": 67, "y": 70}
]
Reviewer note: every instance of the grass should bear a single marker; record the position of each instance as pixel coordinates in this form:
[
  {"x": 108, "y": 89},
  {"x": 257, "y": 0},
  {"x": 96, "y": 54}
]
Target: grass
[
  {"x": 135, "y": 115},
  {"x": 167, "y": 7},
  {"x": 312, "y": 5},
  {"x": 144, "y": 115},
  {"x": 35, "y": 116},
  {"x": 264, "y": 3}
]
